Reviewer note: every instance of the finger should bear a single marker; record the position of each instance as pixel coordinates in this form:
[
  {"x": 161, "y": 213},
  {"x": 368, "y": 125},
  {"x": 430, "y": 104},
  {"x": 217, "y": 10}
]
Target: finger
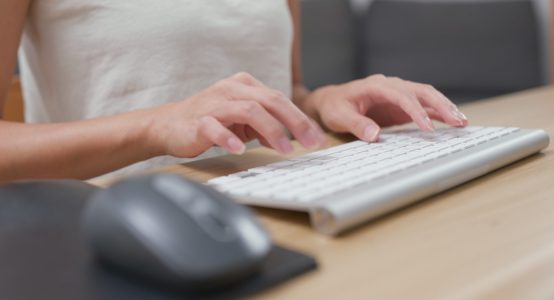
[
  {"x": 325, "y": 142},
  {"x": 395, "y": 93},
  {"x": 220, "y": 135},
  {"x": 434, "y": 115},
  {"x": 429, "y": 96},
  {"x": 253, "y": 114},
  {"x": 348, "y": 119},
  {"x": 309, "y": 134},
  {"x": 252, "y": 134},
  {"x": 246, "y": 134}
]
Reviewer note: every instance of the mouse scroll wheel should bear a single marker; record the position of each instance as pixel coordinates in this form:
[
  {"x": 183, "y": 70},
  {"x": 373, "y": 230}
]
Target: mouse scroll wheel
[{"x": 216, "y": 226}]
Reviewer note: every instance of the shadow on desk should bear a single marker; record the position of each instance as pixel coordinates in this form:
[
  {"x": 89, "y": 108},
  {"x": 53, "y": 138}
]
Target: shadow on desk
[{"x": 228, "y": 164}]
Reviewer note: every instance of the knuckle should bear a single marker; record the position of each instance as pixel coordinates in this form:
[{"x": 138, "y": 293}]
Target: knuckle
[
  {"x": 251, "y": 107},
  {"x": 412, "y": 96},
  {"x": 203, "y": 128},
  {"x": 428, "y": 89},
  {"x": 377, "y": 77},
  {"x": 407, "y": 95},
  {"x": 404, "y": 98},
  {"x": 301, "y": 124},
  {"x": 276, "y": 96},
  {"x": 411, "y": 103},
  {"x": 274, "y": 132},
  {"x": 222, "y": 86},
  {"x": 220, "y": 137},
  {"x": 243, "y": 77}
]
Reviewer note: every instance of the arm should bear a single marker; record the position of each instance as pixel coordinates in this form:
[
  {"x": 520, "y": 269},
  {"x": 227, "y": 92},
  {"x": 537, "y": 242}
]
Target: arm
[
  {"x": 227, "y": 114},
  {"x": 12, "y": 17},
  {"x": 72, "y": 150},
  {"x": 80, "y": 149},
  {"x": 299, "y": 90},
  {"x": 88, "y": 148}
]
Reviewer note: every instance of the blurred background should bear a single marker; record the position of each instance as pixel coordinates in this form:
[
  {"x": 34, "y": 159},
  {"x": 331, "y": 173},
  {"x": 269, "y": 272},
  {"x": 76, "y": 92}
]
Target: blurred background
[{"x": 469, "y": 49}]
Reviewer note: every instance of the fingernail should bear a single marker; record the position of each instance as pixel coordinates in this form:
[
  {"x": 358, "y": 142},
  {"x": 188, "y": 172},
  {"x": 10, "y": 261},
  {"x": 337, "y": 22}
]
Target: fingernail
[
  {"x": 462, "y": 116},
  {"x": 285, "y": 146},
  {"x": 429, "y": 123},
  {"x": 459, "y": 115},
  {"x": 371, "y": 133},
  {"x": 235, "y": 146},
  {"x": 310, "y": 139}
]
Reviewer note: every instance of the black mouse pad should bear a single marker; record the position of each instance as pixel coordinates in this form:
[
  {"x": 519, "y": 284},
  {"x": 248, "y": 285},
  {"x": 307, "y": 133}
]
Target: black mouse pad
[{"x": 43, "y": 254}]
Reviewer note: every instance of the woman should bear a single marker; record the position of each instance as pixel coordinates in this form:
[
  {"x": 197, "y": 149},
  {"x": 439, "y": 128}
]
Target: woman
[{"x": 111, "y": 83}]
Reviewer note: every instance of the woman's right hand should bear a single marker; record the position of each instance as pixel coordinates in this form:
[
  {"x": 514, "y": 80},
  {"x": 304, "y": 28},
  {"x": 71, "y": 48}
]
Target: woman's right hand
[{"x": 228, "y": 114}]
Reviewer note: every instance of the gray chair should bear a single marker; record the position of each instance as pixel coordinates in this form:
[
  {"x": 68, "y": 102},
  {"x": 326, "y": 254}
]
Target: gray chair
[
  {"x": 330, "y": 42},
  {"x": 468, "y": 49}
]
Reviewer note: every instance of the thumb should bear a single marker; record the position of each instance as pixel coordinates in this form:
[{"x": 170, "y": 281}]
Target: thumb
[{"x": 362, "y": 127}]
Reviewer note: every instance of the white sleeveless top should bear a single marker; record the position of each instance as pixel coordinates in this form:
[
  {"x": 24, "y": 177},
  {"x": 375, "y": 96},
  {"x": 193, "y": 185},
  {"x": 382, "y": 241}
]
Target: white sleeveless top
[{"x": 82, "y": 59}]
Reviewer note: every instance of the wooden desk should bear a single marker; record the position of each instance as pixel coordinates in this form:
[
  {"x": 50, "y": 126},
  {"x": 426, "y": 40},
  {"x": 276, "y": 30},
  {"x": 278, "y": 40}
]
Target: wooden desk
[{"x": 491, "y": 238}]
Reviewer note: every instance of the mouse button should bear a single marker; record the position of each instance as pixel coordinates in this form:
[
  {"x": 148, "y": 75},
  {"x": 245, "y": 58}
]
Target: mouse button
[
  {"x": 203, "y": 205},
  {"x": 151, "y": 217},
  {"x": 212, "y": 218},
  {"x": 148, "y": 223},
  {"x": 175, "y": 189},
  {"x": 216, "y": 225},
  {"x": 168, "y": 233}
]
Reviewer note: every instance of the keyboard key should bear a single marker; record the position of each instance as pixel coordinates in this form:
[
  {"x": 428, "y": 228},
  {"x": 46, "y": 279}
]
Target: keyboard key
[{"x": 322, "y": 173}]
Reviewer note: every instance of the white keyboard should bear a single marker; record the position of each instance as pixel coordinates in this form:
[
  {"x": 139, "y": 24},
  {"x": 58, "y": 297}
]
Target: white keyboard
[{"x": 376, "y": 175}]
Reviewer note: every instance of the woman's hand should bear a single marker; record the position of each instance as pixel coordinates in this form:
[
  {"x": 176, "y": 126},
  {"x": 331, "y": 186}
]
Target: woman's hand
[
  {"x": 362, "y": 106},
  {"x": 227, "y": 114}
]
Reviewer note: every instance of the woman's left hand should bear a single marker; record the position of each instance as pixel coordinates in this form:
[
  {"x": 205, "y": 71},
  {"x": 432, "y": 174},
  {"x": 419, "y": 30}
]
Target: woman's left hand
[{"x": 362, "y": 106}]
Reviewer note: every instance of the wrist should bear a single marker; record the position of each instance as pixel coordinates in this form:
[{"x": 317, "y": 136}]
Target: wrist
[{"x": 144, "y": 132}]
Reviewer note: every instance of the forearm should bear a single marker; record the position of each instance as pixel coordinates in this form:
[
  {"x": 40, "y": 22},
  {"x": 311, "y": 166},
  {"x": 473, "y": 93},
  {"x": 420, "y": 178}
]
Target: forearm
[
  {"x": 81, "y": 149},
  {"x": 12, "y": 18},
  {"x": 300, "y": 93}
]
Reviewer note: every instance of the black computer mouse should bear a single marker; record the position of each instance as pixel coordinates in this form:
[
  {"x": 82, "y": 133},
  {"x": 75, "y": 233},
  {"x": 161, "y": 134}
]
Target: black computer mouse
[{"x": 175, "y": 232}]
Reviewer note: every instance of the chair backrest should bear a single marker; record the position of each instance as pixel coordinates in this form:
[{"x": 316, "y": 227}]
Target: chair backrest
[
  {"x": 469, "y": 49},
  {"x": 329, "y": 42},
  {"x": 13, "y": 107}
]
